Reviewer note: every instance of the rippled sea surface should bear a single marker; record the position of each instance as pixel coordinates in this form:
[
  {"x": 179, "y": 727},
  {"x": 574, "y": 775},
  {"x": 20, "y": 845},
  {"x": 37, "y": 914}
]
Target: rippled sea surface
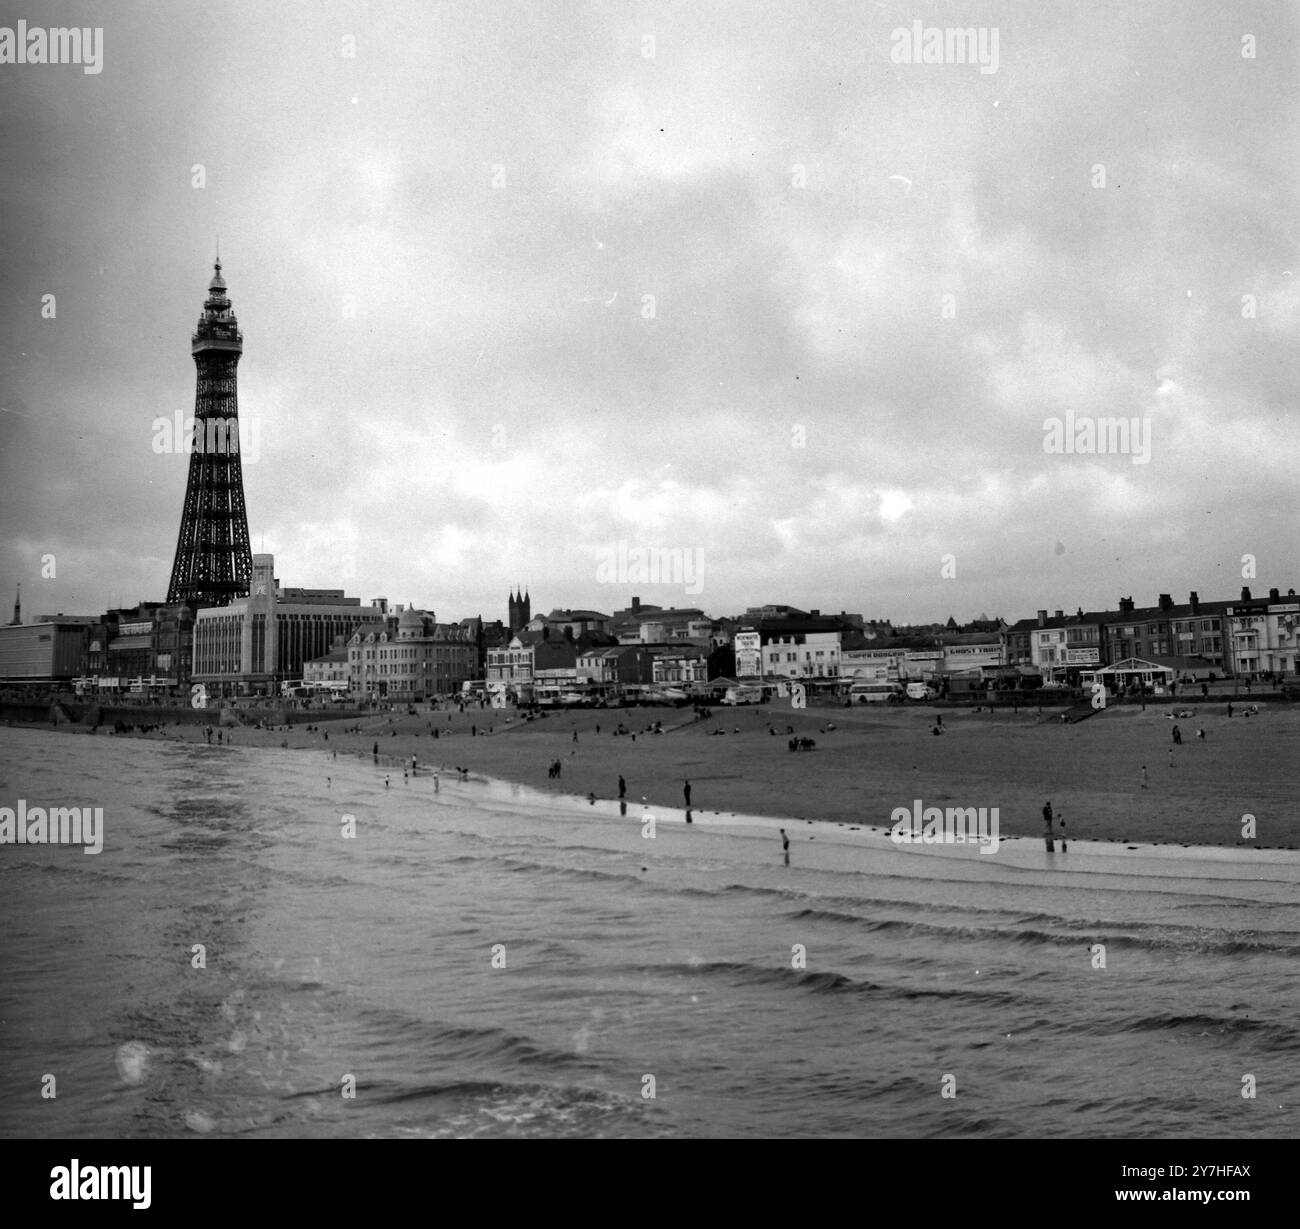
[{"x": 632, "y": 966}]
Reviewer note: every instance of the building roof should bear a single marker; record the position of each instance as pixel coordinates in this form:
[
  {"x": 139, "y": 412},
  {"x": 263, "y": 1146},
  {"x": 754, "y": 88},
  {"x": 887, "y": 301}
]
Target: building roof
[
  {"x": 795, "y": 626},
  {"x": 570, "y": 616},
  {"x": 1077, "y": 619},
  {"x": 554, "y": 653},
  {"x": 334, "y": 657},
  {"x": 1131, "y": 664},
  {"x": 1147, "y": 614}
]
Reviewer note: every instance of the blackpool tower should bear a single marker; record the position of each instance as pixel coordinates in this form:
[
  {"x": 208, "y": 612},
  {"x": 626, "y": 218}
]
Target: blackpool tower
[{"x": 214, "y": 563}]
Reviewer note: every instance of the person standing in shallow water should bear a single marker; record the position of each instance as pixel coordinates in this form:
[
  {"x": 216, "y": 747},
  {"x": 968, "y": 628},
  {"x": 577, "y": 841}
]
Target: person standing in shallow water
[
  {"x": 1047, "y": 821},
  {"x": 785, "y": 846},
  {"x": 622, "y": 788},
  {"x": 686, "y": 791}
]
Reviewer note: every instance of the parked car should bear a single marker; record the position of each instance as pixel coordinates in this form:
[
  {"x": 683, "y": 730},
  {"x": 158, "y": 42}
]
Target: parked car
[{"x": 920, "y": 691}]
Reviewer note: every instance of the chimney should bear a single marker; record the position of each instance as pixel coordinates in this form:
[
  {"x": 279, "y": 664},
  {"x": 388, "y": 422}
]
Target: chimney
[
  {"x": 817, "y": 614},
  {"x": 1273, "y": 596},
  {"x": 1194, "y": 602},
  {"x": 1060, "y": 614},
  {"x": 1042, "y": 617},
  {"x": 636, "y": 604},
  {"x": 1166, "y": 602},
  {"x": 1126, "y": 605},
  {"x": 1245, "y": 593}
]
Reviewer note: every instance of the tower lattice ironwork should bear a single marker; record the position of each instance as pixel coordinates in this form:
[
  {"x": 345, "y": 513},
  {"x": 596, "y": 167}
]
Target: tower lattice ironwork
[{"x": 214, "y": 562}]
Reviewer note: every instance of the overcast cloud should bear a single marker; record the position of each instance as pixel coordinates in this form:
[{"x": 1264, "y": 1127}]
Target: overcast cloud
[{"x": 439, "y": 252}]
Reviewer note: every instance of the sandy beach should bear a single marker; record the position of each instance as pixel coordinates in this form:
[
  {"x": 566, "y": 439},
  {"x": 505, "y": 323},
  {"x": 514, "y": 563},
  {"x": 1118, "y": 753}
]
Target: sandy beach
[{"x": 875, "y": 759}]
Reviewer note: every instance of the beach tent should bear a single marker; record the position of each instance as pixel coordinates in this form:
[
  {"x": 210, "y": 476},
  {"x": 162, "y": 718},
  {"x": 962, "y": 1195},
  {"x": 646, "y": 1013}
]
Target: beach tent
[{"x": 1123, "y": 674}]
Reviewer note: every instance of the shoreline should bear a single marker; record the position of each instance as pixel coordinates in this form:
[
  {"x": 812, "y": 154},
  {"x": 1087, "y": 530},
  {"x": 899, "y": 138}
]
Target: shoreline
[{"x": 489, "y": 757}]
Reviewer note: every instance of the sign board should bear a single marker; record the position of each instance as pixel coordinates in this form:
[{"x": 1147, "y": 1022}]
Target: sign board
[{"x": 747, "y": 647}]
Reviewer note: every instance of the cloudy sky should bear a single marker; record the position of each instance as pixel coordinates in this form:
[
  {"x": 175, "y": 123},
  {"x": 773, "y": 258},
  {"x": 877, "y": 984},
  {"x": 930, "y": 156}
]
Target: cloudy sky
[{"x": 522, "y": 281}]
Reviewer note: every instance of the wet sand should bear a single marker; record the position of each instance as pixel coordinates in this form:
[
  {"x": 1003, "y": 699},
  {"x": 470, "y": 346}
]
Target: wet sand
[{"x": 876, "y": 759}]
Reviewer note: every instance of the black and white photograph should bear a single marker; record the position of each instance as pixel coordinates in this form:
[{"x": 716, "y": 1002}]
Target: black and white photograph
[{"x": 650, "y": 571}]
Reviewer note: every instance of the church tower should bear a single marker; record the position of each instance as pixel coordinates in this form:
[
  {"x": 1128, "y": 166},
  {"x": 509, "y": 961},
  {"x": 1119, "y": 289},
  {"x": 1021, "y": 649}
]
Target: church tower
[
  {"x": 520, "y": 612},
  {"x": 214, "y": 563}
]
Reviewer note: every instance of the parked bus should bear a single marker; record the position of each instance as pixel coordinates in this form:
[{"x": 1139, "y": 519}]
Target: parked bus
[{"x": 875, "y": 693}]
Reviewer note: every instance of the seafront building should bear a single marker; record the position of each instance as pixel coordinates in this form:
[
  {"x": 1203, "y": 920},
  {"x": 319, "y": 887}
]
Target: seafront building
[
  {"x": 1189, "y": 638},
  {"x": 144, "y": 648},
  {"x": 512, "y": 671},
  {"x": 1264, "y": 634},
  {"x": 50, "y": 650},
  {"x": 328, "y": 671},
  {"x": 679, "y": 667},
  {"x": 254, "y": 644},
  {"x": 650, "y": 624},
  {"x": 1057, "y": 647},
  {"x": 788, "y": 645},
  {"x": 410, "y": 657}
]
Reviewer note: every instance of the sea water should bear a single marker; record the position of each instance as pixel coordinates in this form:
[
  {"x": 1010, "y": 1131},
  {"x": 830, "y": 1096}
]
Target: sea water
[{"x": 489, "y": 960}]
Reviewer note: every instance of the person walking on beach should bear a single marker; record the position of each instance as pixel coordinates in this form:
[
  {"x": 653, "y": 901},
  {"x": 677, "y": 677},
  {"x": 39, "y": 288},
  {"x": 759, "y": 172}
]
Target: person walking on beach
[
  {"x": 622, "y": 788},
  {"x": 385, "y": 781},
  {"x": 686, "y": 790},
  {"x": 1064, "y": 847},
  {"x": 1047, "y": 821},
  {"x": 1178, "y": 735},
  {"x": 1144, "y": 776}
]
